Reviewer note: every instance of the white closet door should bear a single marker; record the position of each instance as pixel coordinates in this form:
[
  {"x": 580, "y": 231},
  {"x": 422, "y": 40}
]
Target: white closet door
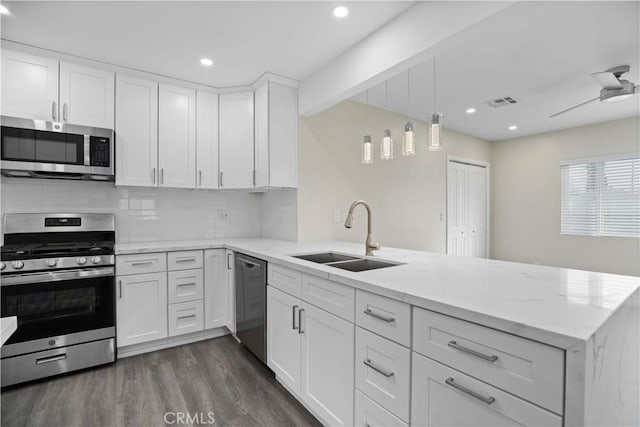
[
  {"x": 457, "y": 209},
  {"x": 466, "y": 210}
]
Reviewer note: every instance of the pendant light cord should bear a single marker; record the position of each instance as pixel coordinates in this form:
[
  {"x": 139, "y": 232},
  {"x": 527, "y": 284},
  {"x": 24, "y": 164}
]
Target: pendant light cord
[
  {"x": 435, "y": 103},
  {"x": 408, "y": 93}
]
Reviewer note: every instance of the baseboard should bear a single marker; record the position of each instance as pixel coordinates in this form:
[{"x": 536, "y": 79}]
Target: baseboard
[{"x": 146, "y": 347}]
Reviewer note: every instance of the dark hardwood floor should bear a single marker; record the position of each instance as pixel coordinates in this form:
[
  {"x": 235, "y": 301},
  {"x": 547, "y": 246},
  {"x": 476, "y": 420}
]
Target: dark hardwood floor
[{"x": 217, "y": 375}]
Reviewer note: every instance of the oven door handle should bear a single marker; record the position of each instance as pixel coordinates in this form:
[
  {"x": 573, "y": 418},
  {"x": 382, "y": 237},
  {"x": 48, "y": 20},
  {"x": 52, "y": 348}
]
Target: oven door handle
[{"x": 55, "y": 276}]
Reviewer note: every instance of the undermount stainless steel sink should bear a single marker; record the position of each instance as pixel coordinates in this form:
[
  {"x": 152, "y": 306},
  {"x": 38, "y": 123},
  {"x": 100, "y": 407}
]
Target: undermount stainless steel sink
[{"x": 346, "y": 262}]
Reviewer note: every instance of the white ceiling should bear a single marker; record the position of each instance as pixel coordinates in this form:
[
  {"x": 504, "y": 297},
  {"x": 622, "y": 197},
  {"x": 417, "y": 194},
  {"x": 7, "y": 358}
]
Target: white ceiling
[
  {"x": 541, "y": 53},
  {"x": 244, "y": 39}
]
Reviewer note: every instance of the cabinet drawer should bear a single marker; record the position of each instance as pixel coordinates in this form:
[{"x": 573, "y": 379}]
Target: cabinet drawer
[
  {"x": 526, "y": 368},
  {"x": 382, "y": 372},
  {"x": 331, "y": 296},
  {"x": 142, "y": 263},
  {"x": 285, "y": 279},
  {"x": 184, "y": 260},
  {"x": 369, "y": 413},
  {"x": 185, "y": 317},
  {"x": 185, "y": 285},
  {"x": 384, "y": 316},
  {"x": 443, "y": 396}
]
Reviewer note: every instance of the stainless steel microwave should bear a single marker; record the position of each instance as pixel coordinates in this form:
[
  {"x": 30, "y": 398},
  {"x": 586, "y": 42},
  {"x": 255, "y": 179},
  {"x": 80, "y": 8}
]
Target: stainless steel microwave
[{"x": 41, "y": 149}]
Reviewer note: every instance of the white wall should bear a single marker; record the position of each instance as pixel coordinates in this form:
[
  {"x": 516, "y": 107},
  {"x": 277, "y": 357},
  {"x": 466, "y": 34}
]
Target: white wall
[
  {"x": 142, "y": 214},
  {"x": 525, "y": 195},
  {"x": 407, "y": 194}
]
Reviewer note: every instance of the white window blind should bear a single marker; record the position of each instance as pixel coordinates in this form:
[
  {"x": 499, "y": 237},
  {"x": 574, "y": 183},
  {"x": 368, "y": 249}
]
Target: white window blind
[{"x": 601, "y": 197}]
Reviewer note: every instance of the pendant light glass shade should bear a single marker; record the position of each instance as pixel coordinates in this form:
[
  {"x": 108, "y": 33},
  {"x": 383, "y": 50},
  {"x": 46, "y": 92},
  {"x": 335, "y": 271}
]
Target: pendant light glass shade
[
  {"x": 367, "y": 150},
  {"x": 409, "y": 140},
  {"x": 386, "y": 145},
  {"x": 435, "y": 133}
]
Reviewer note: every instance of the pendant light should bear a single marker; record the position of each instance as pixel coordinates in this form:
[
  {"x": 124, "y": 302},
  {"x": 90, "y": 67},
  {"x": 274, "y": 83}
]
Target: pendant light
[
  {"x": 409, "y": 137},
  {"x": 367, "y": 146},
  {"x": 435, "y": 130},
  {"x": 386, "y": 144}
]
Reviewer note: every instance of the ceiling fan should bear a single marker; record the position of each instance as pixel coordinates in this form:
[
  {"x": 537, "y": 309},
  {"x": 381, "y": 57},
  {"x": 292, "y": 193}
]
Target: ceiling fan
[{"x": 613, "y": 88}]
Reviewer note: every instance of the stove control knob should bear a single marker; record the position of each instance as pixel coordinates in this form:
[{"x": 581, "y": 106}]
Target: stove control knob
[
  {"x": 52, "y": 262},
  {"x": 96, "y": 259},
  {"x": 3, "y": 265},
  {"x": 17, "y": 264},
  {"x": 81, "y": 260}
]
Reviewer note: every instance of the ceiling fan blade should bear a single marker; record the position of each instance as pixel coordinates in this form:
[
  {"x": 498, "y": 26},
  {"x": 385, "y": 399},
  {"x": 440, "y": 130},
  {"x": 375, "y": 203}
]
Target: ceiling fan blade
[
  {"x": 574, "y": 107},
  {"x": 607, "y": 80}
]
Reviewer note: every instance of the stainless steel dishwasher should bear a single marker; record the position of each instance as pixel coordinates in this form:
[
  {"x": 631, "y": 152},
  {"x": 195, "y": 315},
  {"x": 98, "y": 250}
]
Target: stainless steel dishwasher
[{"x": 251, "y": 299}]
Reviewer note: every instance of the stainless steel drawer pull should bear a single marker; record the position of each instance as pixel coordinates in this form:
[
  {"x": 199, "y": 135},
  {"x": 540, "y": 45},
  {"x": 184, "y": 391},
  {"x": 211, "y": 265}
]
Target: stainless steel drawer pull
[
  {"x": 187, "y": 259},
  {"x": 488, "y": 400},
  {"x": 293, "y": 317},
  {"x": 384, "y": 372},
  {"x": 457, "y": 346},
  {"x": 300, "y": 331},
  {"x": 137, "y": 263},
  {"x": 387, "y": 319},
  {"x": 186, "y": 284},
  {"x": 186, "y": 316},
  {"x": 50, "y": 359}
]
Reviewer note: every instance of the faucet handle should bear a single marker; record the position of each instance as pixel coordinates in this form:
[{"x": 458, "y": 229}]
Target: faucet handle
[{"x": 374, "y": 246}]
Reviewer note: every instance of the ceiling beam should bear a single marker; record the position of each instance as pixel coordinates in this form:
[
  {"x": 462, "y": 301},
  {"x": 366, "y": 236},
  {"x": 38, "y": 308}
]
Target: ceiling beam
[{"x": 404, "y": 42}]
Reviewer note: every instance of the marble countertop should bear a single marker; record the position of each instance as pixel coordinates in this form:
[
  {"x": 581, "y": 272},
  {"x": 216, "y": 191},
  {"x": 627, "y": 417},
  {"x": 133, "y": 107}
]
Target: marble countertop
[
  {"x": 8, "y": 326},
  {"x": 557, "y": 306}
]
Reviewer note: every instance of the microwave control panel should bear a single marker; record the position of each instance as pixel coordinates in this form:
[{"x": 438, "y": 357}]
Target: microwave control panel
[{"x": 100, "y": 152}]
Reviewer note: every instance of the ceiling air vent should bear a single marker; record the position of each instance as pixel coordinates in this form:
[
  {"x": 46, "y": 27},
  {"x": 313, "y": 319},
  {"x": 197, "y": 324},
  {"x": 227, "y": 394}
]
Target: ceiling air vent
[{"x": 502, "y": 102}]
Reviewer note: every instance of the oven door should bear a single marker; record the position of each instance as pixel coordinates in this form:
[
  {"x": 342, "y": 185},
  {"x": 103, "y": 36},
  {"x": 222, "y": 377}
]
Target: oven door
[{"x": 58, "y": 308}]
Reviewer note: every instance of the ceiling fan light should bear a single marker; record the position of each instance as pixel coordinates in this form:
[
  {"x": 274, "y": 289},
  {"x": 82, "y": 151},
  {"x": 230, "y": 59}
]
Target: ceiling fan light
[{"x": 619, "y": 97}]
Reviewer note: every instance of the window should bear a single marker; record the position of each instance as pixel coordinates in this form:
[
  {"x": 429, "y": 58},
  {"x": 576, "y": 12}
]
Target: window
[{"x": 601, "y": 197}]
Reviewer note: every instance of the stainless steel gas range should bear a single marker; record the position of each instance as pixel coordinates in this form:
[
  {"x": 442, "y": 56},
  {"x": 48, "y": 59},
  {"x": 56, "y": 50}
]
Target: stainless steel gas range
[{"x": 58, "y": 278}]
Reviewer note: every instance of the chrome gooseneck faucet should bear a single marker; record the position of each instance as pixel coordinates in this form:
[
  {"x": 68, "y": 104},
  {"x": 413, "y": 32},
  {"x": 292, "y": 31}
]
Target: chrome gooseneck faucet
[{"x": 369, "y": 245}]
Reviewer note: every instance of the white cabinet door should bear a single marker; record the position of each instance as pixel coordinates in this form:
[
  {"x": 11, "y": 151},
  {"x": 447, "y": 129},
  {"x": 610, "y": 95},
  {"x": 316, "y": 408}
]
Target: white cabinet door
[
  {"x": 141, "y": 308},
  {"x": 177, "y": 136},
  {"x": 86, "y": 96},
  {"x": 231, "y": 292},
  {"x": 276, "y": 135},
  {"x": 207, "y": 140},
  {"x": 327, "y": 365},
  {"x": 442, "y": 396},
  {"x": 216, "y": 288},
  {"x": 136, "y": 132},
  {"x": 236, "y": 140},
  {"x": 29, "y": 86},
  {"x": 283, "y": 337}
]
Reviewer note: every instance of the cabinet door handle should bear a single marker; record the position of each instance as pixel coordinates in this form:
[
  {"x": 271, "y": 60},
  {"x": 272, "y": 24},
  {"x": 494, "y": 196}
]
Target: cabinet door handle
[
  {"x": 64, "y": 112},
  {"x": 458, "y": 347},
  {"x": 54, "y": 111},
  {"x": 293, "y": 317},
  {"x": 220, "y": 179},
  {"x": 120, "y": 289},
  {"x": 371, "y": 313},
  {"x": 488, "y": 400},
  {"x": 228, "y": 261},
  {"x": 153, "y": 173},
  {"x": 254, "y": 178},
  {"x": 161, "y": 175},
  {"x": 200, "y": 178},
  {"x": 378, "y": 369},
  {"x": 300, "y": 331}
]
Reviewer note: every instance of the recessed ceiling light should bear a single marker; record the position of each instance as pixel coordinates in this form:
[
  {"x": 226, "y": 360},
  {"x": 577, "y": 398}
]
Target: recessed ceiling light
[
  {"x": 206, "y": 62},
  {"x": 3, "y": 10},
  {"x": 471, "y": 110},
  {"x": 513, "y": 127},
  {"x": 340, "y": 11}
]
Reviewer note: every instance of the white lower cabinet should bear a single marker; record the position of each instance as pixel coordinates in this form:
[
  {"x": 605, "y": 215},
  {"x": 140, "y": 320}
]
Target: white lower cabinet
[
  {"x": 141, "y": 308},
  {"x": 442, "y": 396},
  {"x": 311, "y": 352},
  {"x": 216, "y": 288},
  {"x": 185, "y": 317},
  {"x": 369, "y": 413},
  {"x": 231, "y": 292}
]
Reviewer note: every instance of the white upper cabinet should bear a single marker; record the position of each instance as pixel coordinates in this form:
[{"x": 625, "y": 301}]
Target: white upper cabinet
[
  {"x": 276, "y": 136},
  {"x": 86, "y": 96},
  {"x": 29, "y": 86},
  {"x": 177, "y": 136},
  {"x": 207, "y": 140},
  {"x": 236, "y": 140},
  {"x": 136, "y": 130}
]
